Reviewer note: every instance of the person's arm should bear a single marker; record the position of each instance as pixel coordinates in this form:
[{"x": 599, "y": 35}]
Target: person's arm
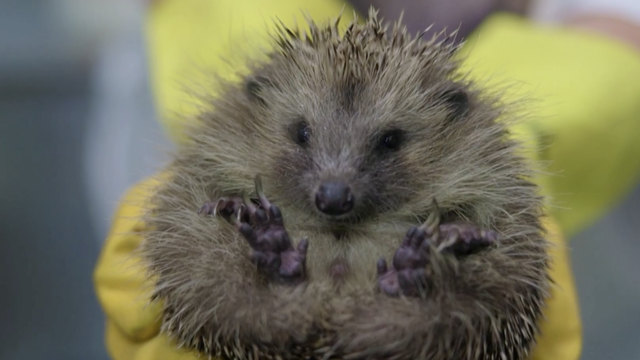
[
  {"x": 133, "y": 326},
  {"x": 561, "y": 327},
  {"x": 625, "y": 30}
]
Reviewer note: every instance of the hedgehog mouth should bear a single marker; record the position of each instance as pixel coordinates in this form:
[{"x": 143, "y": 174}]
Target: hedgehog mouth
[
  {"x": 359, "y": 215},
  {"x": 349, "y": 218}
]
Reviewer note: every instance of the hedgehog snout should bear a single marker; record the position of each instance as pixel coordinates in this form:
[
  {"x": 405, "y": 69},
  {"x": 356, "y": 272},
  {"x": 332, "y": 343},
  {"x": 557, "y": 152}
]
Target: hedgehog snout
[{"x": 335, "y": 198}]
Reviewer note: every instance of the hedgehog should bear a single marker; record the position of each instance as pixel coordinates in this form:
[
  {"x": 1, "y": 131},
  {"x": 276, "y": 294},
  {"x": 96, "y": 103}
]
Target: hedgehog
[{"x": 354, "y": 196}]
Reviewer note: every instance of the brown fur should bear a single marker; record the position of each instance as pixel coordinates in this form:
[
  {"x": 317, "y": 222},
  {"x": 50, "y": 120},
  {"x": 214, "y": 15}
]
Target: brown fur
[{"x": 349, "y": 88}]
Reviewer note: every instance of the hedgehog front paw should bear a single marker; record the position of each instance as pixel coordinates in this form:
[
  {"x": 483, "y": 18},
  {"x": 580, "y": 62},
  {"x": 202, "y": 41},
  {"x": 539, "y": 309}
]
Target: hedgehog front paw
[
  {"x": 407, "y": 275},
  {"x": 458, "y": 237},
  {"x": 462, "y": 238},
  {"x": 272, "y": 250}
]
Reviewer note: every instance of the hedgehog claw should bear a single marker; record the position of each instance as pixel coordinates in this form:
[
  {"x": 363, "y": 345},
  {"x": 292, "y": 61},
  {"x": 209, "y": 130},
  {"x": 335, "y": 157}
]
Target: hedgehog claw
[
  {"x": 239, "y": 214},
  {"x": 260, "y": 192},
  {"x": 431, "y": 225},
  {"x": 208, "y": 208},
  {"x": 224, "y": 206}
]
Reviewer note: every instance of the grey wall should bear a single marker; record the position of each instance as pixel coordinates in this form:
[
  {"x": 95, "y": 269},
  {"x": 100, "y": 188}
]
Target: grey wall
[
  {"x": 60, "y": 116},
  {"x": 607, "y": 271},
  {"x": 48, "y": 245}
]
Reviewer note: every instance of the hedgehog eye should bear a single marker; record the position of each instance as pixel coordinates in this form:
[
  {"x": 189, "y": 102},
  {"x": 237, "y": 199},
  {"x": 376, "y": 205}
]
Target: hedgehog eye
[
  {"x": 301, "y": 133},
  {"x": 391, "y": 140}
]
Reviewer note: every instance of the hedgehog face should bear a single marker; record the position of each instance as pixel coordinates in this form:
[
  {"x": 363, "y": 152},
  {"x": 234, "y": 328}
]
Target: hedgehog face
[
  {"x": 345, "y": 168},
  {"x": 354, "y": 148}
]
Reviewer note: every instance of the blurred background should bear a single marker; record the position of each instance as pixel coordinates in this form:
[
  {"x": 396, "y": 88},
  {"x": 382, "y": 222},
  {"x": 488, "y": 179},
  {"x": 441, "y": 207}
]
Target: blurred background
[{"x": 77, "y": 128}]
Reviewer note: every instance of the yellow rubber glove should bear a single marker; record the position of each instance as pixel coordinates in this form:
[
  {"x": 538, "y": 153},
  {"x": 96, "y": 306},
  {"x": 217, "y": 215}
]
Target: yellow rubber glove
[
  {"x": 584, "y": 110},
  {"x": 133, "y": 326}
]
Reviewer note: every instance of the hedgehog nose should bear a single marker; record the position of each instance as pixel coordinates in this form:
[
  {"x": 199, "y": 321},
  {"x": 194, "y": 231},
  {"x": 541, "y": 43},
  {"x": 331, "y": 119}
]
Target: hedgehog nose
[{"x": 334, "y": 198}]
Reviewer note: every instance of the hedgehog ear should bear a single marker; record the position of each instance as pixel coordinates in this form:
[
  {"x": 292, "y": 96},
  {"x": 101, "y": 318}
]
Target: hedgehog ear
[
  {"x": 457, "y": 100},
  {"x": 255, "y": 87}
]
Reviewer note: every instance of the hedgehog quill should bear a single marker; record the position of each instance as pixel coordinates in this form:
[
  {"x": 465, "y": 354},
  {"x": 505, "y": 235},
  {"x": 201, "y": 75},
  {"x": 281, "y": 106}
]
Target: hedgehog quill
[{"x": 351, "y": 198}]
